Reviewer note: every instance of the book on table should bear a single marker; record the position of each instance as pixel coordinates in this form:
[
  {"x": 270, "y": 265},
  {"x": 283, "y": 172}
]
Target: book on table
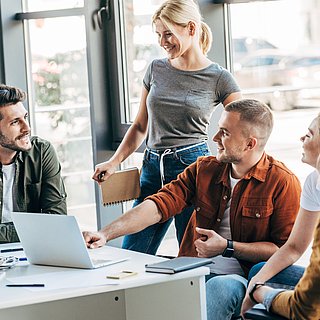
[{"x": 177, "y": 264}]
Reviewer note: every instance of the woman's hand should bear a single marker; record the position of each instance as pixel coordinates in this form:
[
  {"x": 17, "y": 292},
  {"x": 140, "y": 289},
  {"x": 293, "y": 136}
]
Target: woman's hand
[
  {"x": 247, "y": 302},
  {"x": 259, "y": 295},
  {"x": 103, "y": 171}
]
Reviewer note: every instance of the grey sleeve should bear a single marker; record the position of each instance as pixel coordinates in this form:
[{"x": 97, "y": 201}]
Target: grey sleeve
[
  {"x": 147, "y": 77},
  {"x": 226, "y": 85}
]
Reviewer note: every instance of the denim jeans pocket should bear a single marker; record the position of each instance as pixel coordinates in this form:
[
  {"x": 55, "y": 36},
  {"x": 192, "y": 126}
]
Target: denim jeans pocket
[{"x": 187, "y": 158}]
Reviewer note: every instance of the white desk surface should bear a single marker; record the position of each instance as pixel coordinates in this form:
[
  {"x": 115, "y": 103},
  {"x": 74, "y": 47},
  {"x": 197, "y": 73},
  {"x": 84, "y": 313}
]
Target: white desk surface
[{"x": 80, "y": 282}]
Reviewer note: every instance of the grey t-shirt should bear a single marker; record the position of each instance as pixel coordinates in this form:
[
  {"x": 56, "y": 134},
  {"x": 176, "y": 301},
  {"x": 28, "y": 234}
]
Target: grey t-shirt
[{"x": 180, "y": 103}]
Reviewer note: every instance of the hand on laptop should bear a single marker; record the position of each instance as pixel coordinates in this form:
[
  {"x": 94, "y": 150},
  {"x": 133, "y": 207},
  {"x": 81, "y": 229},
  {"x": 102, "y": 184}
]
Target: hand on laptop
[{"x": 94, "y": 239}]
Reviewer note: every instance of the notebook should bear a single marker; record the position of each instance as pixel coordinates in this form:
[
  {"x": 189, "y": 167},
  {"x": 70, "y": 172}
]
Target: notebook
[
  {"x": 121, "y": 186},
  {"x": 56, "y": 240},
  {"x": 177, "y": 265}
]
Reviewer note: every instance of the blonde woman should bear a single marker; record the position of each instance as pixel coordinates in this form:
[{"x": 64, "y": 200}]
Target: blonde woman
[
  {"x": 179, "y": 95},
  {"x": 304, "y": 301}
]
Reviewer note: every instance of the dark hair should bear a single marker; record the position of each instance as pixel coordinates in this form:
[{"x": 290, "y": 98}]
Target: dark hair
[
  {"x": 258, "y": 116},
  {"x": 10, "y": 95}
]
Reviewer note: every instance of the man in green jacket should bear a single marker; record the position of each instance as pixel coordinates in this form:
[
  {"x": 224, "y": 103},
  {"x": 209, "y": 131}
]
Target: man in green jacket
[{"x": 30, "y": 176}]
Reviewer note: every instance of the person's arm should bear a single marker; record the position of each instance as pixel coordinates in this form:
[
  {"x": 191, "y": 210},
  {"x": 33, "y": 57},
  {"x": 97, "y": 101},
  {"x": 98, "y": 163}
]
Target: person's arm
[
  {"x": 53, "y": 193},
  {"x": 289, "y": 253},
  {"x": 212, "y": 244},
  {"x": 304, "y": 301},
  {"x": 232, "y": 97},
  {"x": 167, "y": 202},
  {"x": 131, "y": 141},
  {"x": 135, "y": 220}
]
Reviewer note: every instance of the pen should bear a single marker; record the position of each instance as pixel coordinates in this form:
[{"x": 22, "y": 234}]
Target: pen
[
  {"x": 25, "y": 285},
  {"x": 11, "y": 250}
]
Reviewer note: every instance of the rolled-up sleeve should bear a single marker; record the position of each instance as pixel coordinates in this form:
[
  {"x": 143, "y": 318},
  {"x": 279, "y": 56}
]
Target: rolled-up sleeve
[{"x": 176, "y": 195}]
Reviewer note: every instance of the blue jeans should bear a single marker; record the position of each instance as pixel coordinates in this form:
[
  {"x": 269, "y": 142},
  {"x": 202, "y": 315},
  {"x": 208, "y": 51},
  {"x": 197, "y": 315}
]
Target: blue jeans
[
  {"x": 285, "y": 279},
  {"x": 224, "y": 296},
  {"x": 149, "y": 239}
]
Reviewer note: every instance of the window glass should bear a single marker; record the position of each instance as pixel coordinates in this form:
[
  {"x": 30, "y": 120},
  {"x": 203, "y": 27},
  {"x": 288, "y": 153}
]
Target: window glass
[
  {"x": 141, "y": 46},
  {"x": 276, "y": 58},
  {"x": 60, "y": 106},
  {"x": 42, "y": 5}
]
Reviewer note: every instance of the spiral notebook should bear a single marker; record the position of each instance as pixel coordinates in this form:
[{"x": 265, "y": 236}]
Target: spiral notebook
[{"x": 123, "y": 185}]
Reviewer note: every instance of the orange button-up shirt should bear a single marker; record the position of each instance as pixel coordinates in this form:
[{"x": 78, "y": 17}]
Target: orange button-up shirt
[{"x": 263, "y": 207}]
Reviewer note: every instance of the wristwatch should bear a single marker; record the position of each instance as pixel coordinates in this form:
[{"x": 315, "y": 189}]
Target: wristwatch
[
  {"x": 253, "y": 289},
  {"x": 228, "y": 251}
]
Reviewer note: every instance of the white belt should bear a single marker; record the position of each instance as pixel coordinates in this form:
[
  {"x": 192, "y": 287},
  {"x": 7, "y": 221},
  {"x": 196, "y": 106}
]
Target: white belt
[{"x": 170, "y": 151}]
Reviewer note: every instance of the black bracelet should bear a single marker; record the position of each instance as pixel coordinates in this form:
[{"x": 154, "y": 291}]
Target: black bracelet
[{"x": 253, "y": 289}]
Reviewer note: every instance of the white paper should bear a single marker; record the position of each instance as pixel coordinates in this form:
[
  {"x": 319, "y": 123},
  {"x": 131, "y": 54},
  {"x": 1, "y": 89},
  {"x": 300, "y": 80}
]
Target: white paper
[{"x": 65, "y": 279}]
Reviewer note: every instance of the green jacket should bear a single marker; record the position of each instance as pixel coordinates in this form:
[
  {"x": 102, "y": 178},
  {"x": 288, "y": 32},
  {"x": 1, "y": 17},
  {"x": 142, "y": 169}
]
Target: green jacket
[{"x": 37, "y": 187}]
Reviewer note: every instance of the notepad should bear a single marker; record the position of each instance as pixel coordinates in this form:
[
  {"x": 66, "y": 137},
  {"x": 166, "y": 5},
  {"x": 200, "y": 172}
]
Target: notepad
[
  {"x": 177, "y": 265},
  {"x": 123, "y": 185}
]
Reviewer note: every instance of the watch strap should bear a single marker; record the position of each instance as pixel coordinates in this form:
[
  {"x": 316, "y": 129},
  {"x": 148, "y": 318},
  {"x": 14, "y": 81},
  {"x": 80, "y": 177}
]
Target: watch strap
[
  {"x": 229, "y": 250},
  {"x": 229, "y": 244},
  {"x": 253, "y": 289}
]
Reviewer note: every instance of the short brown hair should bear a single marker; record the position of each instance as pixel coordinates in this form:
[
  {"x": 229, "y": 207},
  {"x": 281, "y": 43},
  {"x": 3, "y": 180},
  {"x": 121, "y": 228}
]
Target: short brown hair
[{"x": 257, "y": 114}]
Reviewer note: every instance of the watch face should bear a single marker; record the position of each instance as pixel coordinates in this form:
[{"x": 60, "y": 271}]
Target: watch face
[{"x": 228, "y": 252}]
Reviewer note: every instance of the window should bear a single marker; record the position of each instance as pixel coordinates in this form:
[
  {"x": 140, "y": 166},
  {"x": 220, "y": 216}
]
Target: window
[
  {"x": 141, "y": 46},
  {"x": 41, "y": 5},
  {"x": 61, "y": 106},
  {"x": 61, "y": 71},
  {"x": 285, "y": 73}
]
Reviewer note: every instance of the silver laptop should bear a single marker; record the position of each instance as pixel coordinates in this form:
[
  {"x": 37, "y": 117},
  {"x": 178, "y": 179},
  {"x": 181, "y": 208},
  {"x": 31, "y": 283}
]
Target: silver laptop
[{"x": 55, "y": 240}]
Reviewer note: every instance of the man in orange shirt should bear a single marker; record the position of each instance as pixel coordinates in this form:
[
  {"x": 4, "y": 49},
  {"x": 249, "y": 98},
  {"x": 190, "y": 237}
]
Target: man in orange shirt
[{"x": 245, "y": 205}]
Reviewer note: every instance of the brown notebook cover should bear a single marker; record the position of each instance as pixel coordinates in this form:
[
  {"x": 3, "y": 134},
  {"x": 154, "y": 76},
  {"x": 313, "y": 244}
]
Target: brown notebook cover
[{"x": 121, "y": 186}]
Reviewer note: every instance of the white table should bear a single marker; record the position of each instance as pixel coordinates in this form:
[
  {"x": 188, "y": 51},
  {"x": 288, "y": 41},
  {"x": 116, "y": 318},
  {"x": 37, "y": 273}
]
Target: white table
[{"x": 76, "y": 294}]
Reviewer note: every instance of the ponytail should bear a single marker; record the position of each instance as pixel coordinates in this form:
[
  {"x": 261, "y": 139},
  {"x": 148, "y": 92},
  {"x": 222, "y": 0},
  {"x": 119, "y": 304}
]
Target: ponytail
[{"x": 205, "y": 38}]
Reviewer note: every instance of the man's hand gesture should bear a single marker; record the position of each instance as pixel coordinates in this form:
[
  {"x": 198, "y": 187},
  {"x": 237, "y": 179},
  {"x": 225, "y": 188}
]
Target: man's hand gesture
[{"x": 210, "y": 244}]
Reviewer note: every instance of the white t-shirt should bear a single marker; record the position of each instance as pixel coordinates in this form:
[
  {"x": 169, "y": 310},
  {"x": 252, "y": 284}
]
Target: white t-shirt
[
  {"x": 223, "y": 265},
  {"x": 8, "y": 178},
  {"x": 310, "y": 197}
]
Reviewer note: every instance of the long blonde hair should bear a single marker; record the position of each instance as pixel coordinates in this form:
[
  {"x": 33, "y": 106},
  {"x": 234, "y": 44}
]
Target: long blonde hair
[{"x": 181, "y": 12}]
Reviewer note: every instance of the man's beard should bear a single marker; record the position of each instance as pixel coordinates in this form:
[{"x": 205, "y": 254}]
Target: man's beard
[
  {"x": 230, "y": 159},
  {"x": 11, "y": 144}
]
